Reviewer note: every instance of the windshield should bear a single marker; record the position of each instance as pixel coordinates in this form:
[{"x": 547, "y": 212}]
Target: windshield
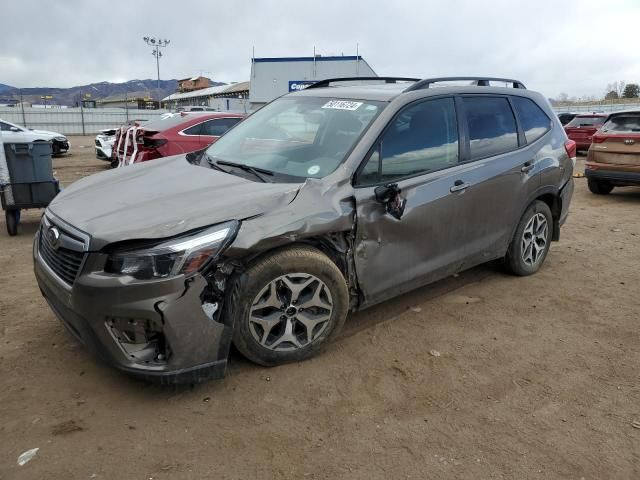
[
  {"x": 586, "y": 122},
  {"x": 297, "y": 136},
  {"x": 623, "y": 123}
]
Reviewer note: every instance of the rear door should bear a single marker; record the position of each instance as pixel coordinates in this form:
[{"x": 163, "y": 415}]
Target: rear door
[
  {"x": 501, "y": 177},
  {"x": 215, "y": 128}
]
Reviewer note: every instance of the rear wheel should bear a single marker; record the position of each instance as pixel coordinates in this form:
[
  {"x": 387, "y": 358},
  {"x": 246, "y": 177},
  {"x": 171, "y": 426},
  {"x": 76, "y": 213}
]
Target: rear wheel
[
  {"x": 288, "y": 306},
  {"x": 599, "y": 187},
  {"x": 13, "y": 218},
  {"x": 531, "y": 241}
]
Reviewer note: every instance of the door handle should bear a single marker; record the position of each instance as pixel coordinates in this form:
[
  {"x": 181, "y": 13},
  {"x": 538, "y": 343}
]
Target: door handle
[
  {"x": 527, "y": 167},
  {"x": 459, "y": 186}
]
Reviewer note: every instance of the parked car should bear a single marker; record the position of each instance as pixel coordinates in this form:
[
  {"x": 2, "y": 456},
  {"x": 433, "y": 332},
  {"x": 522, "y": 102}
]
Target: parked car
[
  {"x": 104, "y": 143},
  {"x": 174, "y": 135},
  {"x": 326, "y": 200},
  {"x": 566, "y": 117},
  {"x": 13, "y": 133},
  {"x": 614, "y": 157},
  {"x": 582, "y": 128}
]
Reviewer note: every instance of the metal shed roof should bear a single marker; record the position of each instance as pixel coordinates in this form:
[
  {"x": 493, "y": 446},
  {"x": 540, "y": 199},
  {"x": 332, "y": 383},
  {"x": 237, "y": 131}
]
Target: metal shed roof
[{"x": 210, "y": 91}]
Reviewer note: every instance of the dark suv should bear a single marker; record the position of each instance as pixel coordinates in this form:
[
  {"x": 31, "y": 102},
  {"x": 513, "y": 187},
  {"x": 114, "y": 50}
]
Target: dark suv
[{"x": 326, "y": 200}]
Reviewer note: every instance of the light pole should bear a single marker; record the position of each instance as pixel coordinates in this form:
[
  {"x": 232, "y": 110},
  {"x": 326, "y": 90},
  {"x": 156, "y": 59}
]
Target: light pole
[{"x": 156, "y": 45}]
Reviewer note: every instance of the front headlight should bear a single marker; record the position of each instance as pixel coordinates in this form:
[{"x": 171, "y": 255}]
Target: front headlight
[
  {"x": 61, "y": 139},
  {"x": 179, "y": 256}
]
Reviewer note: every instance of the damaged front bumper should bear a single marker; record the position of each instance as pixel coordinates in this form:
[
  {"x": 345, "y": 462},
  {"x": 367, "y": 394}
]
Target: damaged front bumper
[{"x": 162, "y": 330}]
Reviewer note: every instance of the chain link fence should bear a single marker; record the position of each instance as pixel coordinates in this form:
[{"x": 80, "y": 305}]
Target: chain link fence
[{"x": 75, "y": 121}]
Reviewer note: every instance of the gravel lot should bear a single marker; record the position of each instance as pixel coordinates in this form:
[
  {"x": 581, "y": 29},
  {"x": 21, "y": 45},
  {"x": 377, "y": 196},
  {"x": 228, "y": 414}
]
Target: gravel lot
[{"x": 536, "y": 377}]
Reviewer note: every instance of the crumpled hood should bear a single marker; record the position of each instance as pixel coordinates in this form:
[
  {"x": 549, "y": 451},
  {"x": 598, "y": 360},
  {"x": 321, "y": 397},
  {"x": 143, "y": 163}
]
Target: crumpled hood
[{"x": 162, "y": 198}]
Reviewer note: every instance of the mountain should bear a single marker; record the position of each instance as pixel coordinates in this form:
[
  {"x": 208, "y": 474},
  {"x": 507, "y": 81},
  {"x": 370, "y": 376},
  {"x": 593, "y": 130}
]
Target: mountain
[{"x": 70, "y": 96}]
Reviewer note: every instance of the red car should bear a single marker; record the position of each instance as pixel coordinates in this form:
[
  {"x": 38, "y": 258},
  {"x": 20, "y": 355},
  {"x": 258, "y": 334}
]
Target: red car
[
  {"x": 174, "y": 135},
  {"x": 582, "y": 128}
]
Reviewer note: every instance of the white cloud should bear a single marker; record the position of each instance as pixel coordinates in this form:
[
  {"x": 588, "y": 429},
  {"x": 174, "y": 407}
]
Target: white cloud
[{"x": 574, "y": 46}]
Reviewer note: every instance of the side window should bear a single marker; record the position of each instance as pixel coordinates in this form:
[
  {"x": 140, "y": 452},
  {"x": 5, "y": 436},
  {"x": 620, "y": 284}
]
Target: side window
[
  {"x": 218, "y": 126},
  {"x": 422, "y": 138},
  {"x": 194, "y": 130},
  {"x": 5, "y": 127},
  {"x": 533, "y": 120},
  {"x": 492, "y": 127}
]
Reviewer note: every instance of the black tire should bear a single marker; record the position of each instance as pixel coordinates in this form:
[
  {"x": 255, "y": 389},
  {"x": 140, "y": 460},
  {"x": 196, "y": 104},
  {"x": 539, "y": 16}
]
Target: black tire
[
  {"x": 259, "y": 275},
  {"x": 599, "y": 187},
  {"x": 515, "y": 258},
  {"x": 13, "y": 219}
]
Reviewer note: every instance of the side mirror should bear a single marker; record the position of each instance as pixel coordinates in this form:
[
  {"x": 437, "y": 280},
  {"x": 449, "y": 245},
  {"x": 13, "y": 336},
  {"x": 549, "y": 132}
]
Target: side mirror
[
  {"x": 390, "y": 196},
  {"x": 14, "y": 129}
]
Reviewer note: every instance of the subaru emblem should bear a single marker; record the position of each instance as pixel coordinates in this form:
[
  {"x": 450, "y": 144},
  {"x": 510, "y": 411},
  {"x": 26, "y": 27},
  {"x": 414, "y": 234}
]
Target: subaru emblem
[{"x": 53, "y": 234}]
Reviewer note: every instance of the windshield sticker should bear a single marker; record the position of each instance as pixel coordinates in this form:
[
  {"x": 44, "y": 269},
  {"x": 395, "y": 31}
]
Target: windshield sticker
[
  {"x": 342, "y": 105},
  {"x": 313, "y": 170}
]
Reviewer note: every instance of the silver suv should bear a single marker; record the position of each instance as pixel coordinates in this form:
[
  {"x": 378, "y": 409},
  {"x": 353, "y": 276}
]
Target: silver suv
[{"x": 325, "y": 201}]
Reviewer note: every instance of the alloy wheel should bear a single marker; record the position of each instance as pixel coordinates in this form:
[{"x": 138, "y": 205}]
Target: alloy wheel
[
  {"x": 534, "y": 239},
  {"x": 290, "y": 312}
]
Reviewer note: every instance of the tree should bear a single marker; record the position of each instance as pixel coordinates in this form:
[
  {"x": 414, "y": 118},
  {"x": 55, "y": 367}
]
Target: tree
[
  {"x": 632, "y": 90},
  {"x": 563, "y": 97},
  {"x": 611, "y": 95}
]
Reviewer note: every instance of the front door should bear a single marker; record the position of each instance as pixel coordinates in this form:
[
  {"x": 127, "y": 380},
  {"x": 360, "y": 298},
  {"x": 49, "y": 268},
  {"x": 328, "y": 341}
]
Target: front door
[{"x": 417, "y": 237}]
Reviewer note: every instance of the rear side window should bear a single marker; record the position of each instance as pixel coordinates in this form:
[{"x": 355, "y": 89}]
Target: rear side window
[
  {"x": 533, "y": 120},
  {"x": 623, "y": 123},
  {"x": 218, "y": 126},
  {"x": 422, "y": 138},
  {"x": 194, "y": 130},
  {"x": 492, "y": 126}
]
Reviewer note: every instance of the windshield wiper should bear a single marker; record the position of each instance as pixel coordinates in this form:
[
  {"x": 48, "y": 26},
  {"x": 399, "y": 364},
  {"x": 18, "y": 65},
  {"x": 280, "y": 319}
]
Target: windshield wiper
[
  {"x": 248, "y": 168},
  {"x": 214, "y": 164}
]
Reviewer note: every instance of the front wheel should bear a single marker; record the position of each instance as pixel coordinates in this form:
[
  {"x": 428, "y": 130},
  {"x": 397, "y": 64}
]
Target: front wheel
[
  {"x": 599, "y": 187},
  {"x": 288, "y": 305},
  {"x": 13, "y": 219},
  {"x": 531, "y": 242}
]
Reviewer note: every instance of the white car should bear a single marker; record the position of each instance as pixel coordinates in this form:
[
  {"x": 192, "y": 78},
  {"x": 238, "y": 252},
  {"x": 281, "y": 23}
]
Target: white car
[
  {"x": 104, "y": 143},
  {"x": 12, "y": 133}
]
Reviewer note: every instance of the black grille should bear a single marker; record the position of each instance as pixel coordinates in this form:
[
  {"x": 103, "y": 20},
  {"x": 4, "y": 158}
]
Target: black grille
[
  {"x": 97, "y": 143},
  {"x": 64, "y": 262}
]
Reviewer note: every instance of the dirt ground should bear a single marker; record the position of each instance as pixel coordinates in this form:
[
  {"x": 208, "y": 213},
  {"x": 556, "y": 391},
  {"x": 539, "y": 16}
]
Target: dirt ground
[{"x": 536, "y": 377}]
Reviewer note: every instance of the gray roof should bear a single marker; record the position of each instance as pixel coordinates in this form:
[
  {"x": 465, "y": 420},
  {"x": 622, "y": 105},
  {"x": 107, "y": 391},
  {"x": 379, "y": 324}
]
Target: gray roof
[
  {"x": 387, "y": 92},
  {"x": 210, "y": 91}
]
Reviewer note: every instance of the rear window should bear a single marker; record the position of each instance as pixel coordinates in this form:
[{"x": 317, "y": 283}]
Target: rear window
[
  {"x": 534, "y": 121},
  {"x": 586, "y": 121},
  {"x": 623, "y": 123},
  {"x": 492, "y": 126}
]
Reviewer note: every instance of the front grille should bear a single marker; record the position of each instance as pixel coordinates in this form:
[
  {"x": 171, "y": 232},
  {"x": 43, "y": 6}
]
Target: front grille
[{"x": 64, "y": 262}]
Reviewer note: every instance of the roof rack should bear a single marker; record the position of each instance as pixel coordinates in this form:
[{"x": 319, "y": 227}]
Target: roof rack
[
  {"x": 327, "y": 82},
  {"x": 480, "y": 82}
]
